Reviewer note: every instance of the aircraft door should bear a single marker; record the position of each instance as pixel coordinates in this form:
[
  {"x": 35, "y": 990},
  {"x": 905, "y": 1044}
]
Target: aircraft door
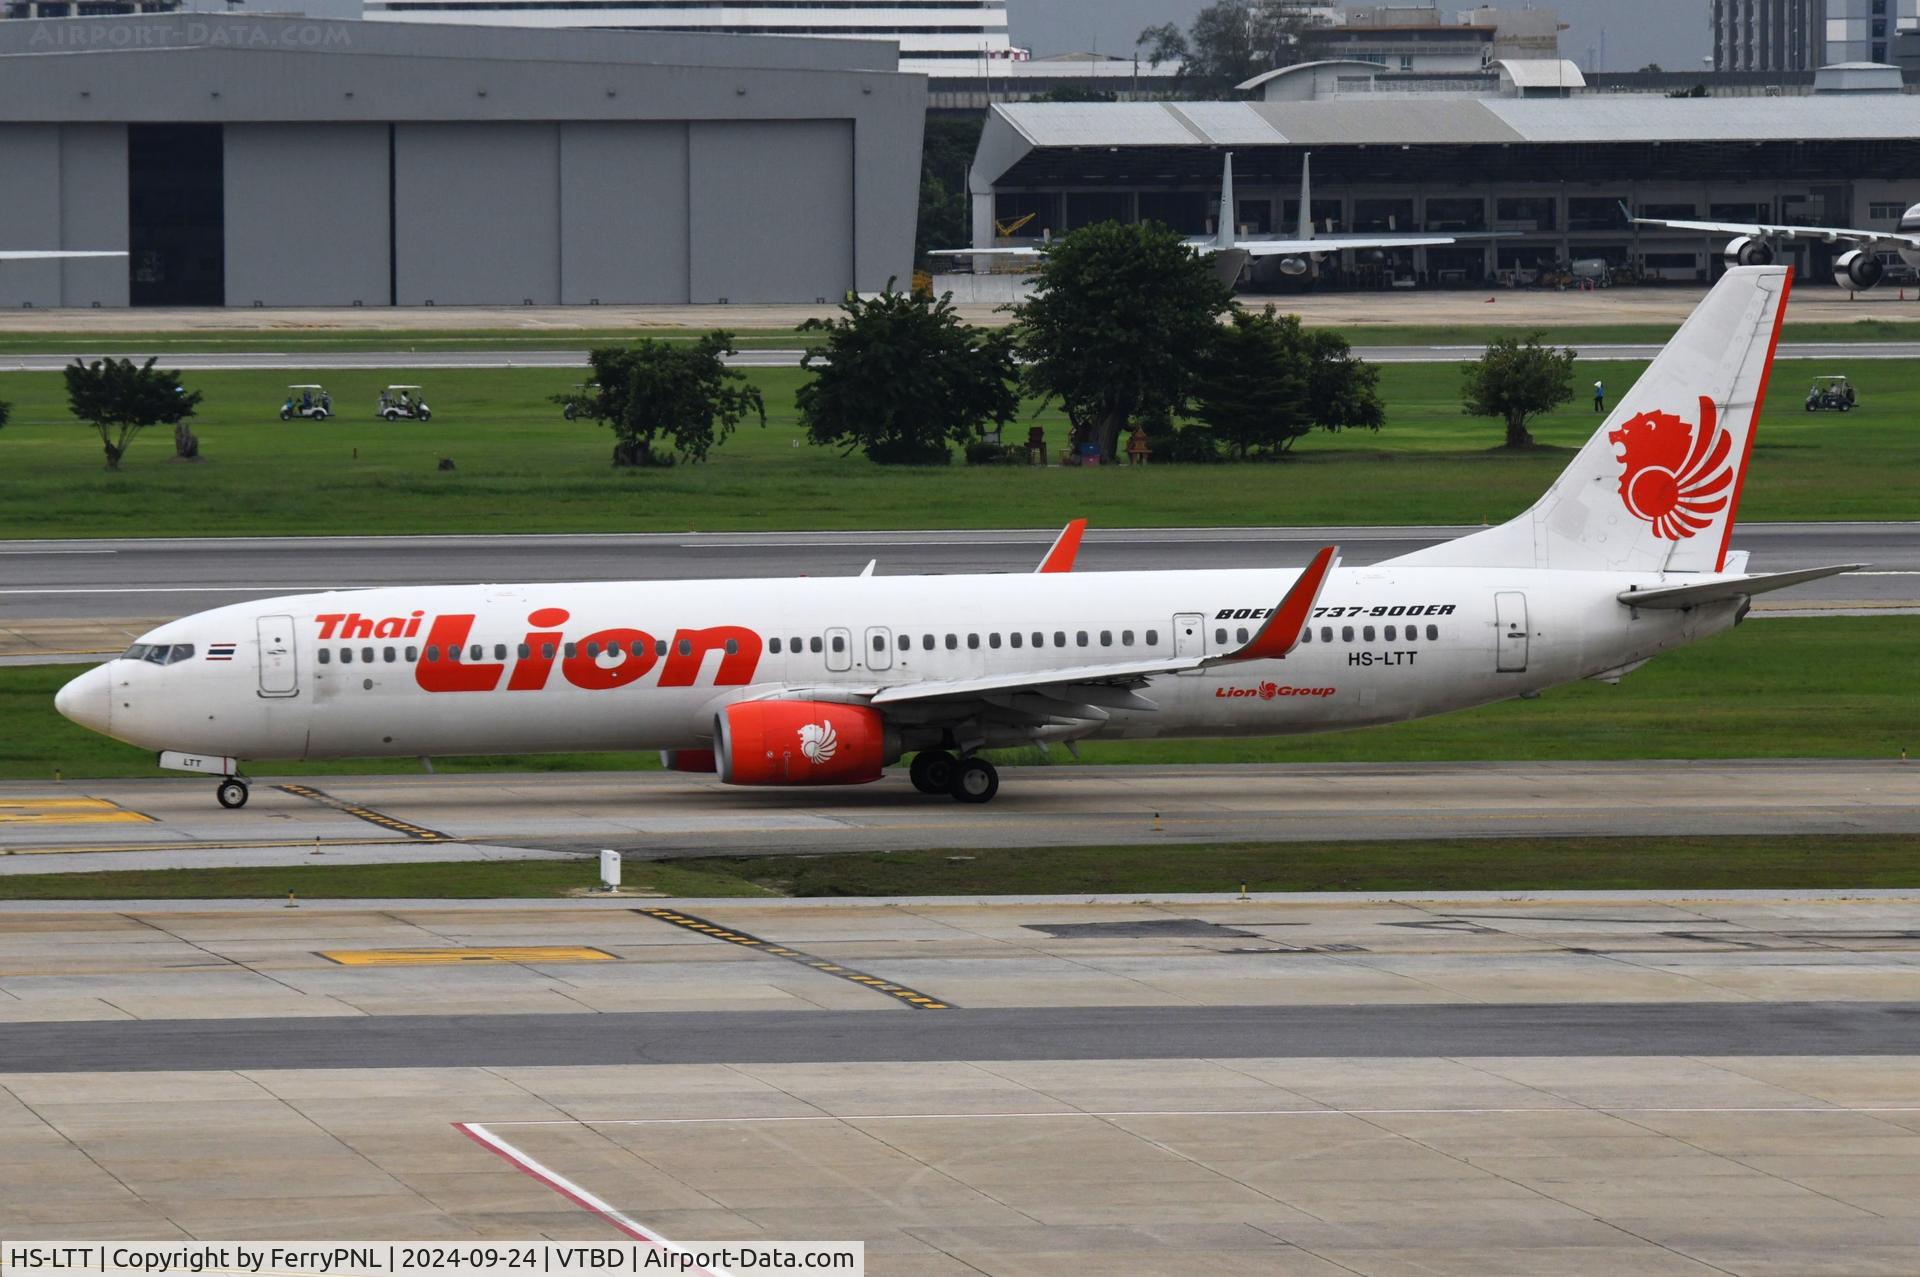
[
  {"x": 839, "y": 649},
  {"x": 1189, "y": 634},
  {"x": 879, "y": 648},
  {"x": 279, "y": 676},
  {"x": 1510, "y": 619}
]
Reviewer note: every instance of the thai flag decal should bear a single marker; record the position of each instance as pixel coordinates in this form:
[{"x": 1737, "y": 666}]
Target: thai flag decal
[{"x": 220, "y": 651}]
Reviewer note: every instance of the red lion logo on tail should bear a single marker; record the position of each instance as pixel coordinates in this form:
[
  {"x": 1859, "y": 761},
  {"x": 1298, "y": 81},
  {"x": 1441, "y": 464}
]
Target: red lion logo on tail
[{"x": 1675, "y": 475}]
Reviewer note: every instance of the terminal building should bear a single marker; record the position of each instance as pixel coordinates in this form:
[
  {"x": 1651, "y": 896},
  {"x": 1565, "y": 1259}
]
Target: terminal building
[
  {"x": 265, "y": 161},
  {"x": 1533, "y": 176}
]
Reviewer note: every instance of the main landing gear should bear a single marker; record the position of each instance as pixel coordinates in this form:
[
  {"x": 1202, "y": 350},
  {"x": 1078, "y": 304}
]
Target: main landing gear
[
  {"x": 968, "y": 780},
  {"x": 232, "y": 793}
]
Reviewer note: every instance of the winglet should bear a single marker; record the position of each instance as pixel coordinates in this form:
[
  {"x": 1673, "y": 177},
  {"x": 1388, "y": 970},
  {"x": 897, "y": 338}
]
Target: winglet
[
  {"x": 1282, "y": 630},
  {"x": 1065, "y": 548}
]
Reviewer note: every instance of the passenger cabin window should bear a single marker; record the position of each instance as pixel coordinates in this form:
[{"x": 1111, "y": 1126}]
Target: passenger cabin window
[
  {"x": 1367, "y": 634},
  {"x": 839, "y": 643},
  {"x": 814, "y": 644},
  {"x": 1153, "y": 637},
  {"x": 1306, "y": 634},
  {"x": 1013, "y": 638},
  {"x": 926, "y": 642},
  {"x": 733, "y": 647},
  {"x": 1240, "y": 635},
  {"x": 773, "y": 645},
  {"x": 1080, "y": 638},
  {"x": 1220, "y": 636},
  {"x": 387, "y": 654},
  {"x": 1126, "y": 638},
  {"x": 525, "y": 651},
  {"x": 879, "y": 642},
  {"x": 413, "y": 654},
  {"x": 433, "y": 651},
  {"x": 1346, "y": 634},
  {"x": 953, "y": 642},
  {"x": 1390, "y": 633},
  {"x": 1433, "y": 633},
  {"x": 546, "y": 652},
  {"x": 1326, "y": 634},
  {"x": 477, "y": 652},
  {"x": 906, "y": 642},
  {"x": 973, "y": 641},
  {"x": 1039, "y": 639},
  {"x": 1106, "y": 638},
  {"x": 346, "y": 656},
  {"x": 640, "y": 648},
  {"x": 366, "y": 654},
  {"x": 993, "y": 641},
  {"x": 1059, "y": 638},
  {"x": 326, "y": 656}
]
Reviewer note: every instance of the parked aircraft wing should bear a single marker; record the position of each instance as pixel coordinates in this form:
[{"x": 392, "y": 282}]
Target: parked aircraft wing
[
  {"x": 1273, "y": 641},
  {"x": 46, "y": 254},
  {"x": 1335, "y": 243},
  {"x": 1763, "y": 230},
  {"x": 1722, "y": 588},
  {"x": 1065, "y": 548}
]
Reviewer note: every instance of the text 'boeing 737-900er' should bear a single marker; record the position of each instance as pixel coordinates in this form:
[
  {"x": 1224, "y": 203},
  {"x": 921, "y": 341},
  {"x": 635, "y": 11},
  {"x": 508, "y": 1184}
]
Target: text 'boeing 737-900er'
[{"x": 813, "y": 681}]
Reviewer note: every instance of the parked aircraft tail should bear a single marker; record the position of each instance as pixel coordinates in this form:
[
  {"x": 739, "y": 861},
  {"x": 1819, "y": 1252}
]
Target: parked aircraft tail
[{"x": 1657, "y": 487}]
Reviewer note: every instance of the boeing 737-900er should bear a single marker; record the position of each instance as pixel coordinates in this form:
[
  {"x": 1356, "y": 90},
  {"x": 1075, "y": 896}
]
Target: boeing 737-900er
[{"x": 813, "y": 681}]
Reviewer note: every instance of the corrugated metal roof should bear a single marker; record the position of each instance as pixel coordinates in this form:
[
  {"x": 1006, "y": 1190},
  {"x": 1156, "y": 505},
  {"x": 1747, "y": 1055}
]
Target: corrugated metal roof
[
  {"x": 1458, "y": 121},
  {"x": 1543, "y": 73}
]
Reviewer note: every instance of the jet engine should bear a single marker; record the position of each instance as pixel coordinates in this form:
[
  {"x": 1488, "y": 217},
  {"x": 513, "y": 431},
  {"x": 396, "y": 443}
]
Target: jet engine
[
  {"x": 1857, "y": 269},
  {"x": 801, "y": 743},
  {"x": 1749, "y": 250},
  {"x": 1293, "y": 267}
]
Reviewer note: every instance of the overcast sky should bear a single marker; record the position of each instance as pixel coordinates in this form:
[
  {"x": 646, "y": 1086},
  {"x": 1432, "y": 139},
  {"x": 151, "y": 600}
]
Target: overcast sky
[{"x": 1636, "y": 32}]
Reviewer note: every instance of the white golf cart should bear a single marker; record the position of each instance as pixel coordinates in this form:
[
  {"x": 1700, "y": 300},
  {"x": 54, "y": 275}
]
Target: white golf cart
[
  {"x": 311, "y": 402},
  {"x": 403, "y": 403}
]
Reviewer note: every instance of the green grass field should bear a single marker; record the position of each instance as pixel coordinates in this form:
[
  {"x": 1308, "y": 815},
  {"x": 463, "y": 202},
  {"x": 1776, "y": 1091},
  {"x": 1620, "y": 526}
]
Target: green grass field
[
  {"x": 1512, "y": 864},
  {"x": 1832, "y": 688},
  {"x": 520, "y": 468}
]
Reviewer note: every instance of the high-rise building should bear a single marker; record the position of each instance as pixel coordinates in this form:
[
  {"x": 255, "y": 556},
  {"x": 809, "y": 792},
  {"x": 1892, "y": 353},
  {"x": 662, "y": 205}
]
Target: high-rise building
[
  {"x": 936, "y": 37},
  {"x": 1802, "y": 35}
]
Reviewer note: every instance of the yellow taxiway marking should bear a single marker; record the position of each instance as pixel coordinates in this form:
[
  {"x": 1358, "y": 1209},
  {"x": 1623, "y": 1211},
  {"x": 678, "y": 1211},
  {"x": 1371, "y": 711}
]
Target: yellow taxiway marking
[
  {"x": 453, "y": 957},
  {"x": 68, "y": 811},
  {"x": 911, "y": 997}
]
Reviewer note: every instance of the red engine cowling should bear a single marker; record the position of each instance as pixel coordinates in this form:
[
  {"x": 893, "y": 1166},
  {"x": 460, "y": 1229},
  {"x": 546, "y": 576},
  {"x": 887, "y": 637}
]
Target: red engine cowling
[{"x": 801, "y": 743}]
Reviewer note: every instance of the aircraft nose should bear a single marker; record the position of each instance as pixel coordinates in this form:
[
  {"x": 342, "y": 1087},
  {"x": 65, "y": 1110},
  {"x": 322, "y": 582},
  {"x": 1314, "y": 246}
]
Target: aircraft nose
[{"x": 87, "y": 699}]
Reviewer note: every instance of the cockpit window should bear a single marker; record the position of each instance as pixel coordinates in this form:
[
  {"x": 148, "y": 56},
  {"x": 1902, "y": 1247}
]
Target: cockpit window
[{"x": 159, "y": 653}]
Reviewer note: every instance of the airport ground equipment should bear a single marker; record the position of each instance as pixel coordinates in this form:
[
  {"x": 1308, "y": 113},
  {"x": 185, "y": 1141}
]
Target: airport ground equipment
[
  {"x": 403, "y": 403},
  {"x": 1831, "y": 394},
  {"x": 312, "y": 402}
]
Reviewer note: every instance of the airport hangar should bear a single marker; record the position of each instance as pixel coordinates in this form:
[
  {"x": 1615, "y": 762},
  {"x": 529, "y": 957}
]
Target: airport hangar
[
  {"x": 1544, "y": 176},
  {"x": 295, "y": 162}
]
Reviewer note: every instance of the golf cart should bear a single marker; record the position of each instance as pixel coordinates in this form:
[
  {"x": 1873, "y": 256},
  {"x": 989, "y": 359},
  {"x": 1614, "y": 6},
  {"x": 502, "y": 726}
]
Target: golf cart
[
  {"x": 583, "y": 392},
  {"x": 403, "y": 403},
  {"x": 307, "y": 401},
  {"x": 1831, "y": 393}
]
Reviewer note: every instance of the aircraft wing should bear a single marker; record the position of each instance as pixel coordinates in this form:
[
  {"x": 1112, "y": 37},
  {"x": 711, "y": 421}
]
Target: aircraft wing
[
  {"x": 45, "y": 254},
  {"x": 1720, "y": 589},
  {"x": 1065, "y": 548},
  {"x": 1274, "y": 640},
  {"x": 1764, "y": 230},
  {"x": 1326, "y": 244},
  {"x": 984, "y": 252}
]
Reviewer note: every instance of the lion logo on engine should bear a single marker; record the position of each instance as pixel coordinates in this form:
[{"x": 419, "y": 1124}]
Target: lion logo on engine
[
  {"x": 1674, "y": 474},
  {"x": 819, "y": 742}
]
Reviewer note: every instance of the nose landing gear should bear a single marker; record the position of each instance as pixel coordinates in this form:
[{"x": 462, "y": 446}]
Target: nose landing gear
[{"x": 232, "y": 793}]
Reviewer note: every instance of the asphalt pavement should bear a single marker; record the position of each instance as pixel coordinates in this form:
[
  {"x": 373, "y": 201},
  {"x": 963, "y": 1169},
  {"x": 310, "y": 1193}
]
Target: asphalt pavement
[{"x": 166, "y": 576}]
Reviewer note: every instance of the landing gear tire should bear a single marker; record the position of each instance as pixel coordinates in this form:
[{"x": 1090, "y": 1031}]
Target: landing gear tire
[
  {"x": 975, "y": 780},
  {"x": 932, "y": 771},
  {"x": 232, "y": 793}
]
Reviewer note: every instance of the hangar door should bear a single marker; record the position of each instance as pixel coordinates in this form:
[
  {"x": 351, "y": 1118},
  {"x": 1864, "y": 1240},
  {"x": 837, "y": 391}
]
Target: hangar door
[{"x": 770, "y": 210}]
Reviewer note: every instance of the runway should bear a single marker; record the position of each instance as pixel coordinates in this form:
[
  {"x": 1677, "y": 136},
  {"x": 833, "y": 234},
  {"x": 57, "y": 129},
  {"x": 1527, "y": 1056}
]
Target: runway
[
  {"x": 174, "y": 822},
  {"x": 367, "y": 360},
  {"x": 1562, "y": 1086},
  {"x": 1050, "y": 1033},
  {"x": 166, "y": 577}
]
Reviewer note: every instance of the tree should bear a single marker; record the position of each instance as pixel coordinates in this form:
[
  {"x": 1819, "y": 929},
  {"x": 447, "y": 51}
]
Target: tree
[
  {"x": 6, "y": 411},
  {"x": 901, "y": 377},
  {"x": 120, "y": 399},
  {"x": 946, "y": 155},
  {"x": 683, "y": 394},
  {"x": 1118, "y": 322},
  {"x": 1231, "y": 41},
  {"x": 1268, "y": 381},
  {"x": 1517, "y": 380}
]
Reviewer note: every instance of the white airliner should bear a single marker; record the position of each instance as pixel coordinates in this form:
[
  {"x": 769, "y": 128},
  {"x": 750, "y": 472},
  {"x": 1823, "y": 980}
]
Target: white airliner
[
  {"x": 1298, "y": 254},
  {"x": 812, "y": 681},
  {"x": 1753, "y": 243}
]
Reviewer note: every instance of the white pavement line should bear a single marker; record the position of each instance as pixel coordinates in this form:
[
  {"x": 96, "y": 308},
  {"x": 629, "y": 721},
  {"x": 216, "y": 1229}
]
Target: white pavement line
[
  {"x": 1117, "y": 1113},
  {"x": 573, "y": 1192}
]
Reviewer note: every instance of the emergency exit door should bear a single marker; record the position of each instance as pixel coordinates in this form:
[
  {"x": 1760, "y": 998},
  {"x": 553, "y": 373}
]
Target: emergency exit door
[
  {"x": 278, "y": 674},
  {"x": 1510, "y": 619}
]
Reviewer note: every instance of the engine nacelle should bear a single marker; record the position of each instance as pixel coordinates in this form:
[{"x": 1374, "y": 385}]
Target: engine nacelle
[
  {"x": 801, "y": 743},
  {"x": 1293, "y": 267},
  {"x": 689, "y": 760},
  {"x": 1749, "y": 250},
  {"x": 1857, "y": 269}
]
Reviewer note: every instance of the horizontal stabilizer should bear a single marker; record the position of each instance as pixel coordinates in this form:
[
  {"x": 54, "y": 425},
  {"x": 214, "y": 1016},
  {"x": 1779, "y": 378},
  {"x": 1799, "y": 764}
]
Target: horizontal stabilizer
[{"x": 1722, "y": 588}]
